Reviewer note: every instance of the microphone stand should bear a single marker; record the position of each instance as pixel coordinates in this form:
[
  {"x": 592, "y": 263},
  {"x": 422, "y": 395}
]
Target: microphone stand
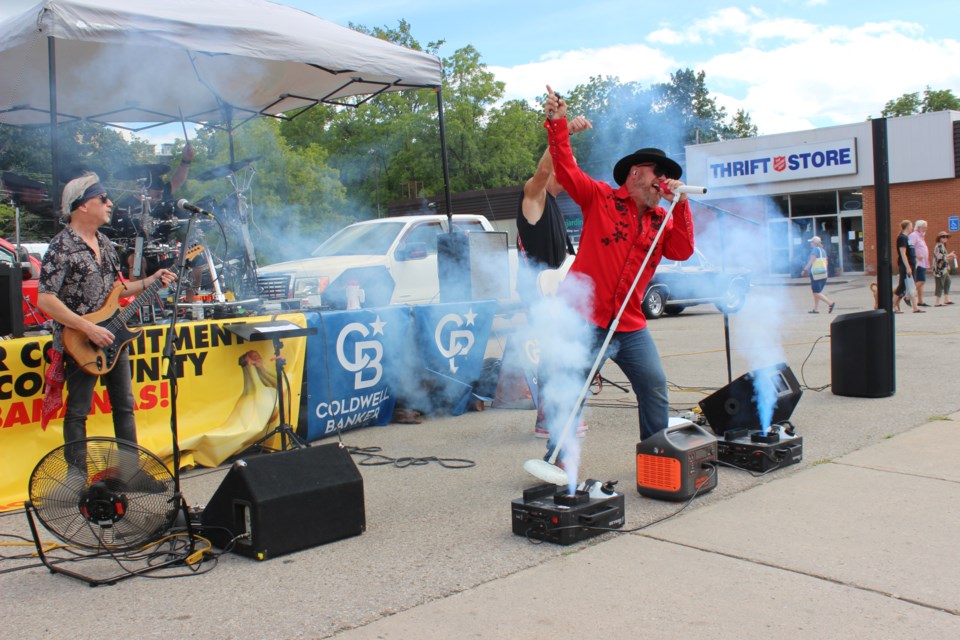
[{"x": 169, "y": 354}]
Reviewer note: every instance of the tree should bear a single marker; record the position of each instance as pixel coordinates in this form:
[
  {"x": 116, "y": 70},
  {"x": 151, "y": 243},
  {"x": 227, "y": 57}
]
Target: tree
[
  {"x": 627, "y": 116},
  {"x": 910, "y": 103},
  {"x": 689, "y": 109},
  {"x": 741, "y": 126},
  {"x": 295, "y": 198},
  {"x": 942, "y": 100},
  {"x": 82, "y": 146},
  {"x": 906, "y": 105}
]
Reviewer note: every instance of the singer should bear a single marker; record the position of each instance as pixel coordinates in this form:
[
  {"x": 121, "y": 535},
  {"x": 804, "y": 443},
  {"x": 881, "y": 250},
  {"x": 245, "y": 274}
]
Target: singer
[{"x": 619, "y": 226}]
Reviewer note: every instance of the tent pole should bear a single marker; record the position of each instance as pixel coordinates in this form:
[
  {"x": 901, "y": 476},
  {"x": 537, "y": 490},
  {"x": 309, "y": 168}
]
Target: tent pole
[
  {"x": 54, "y": 134},
  {"x": 228, "y": 115},
  {"x": 443, "y": 159}
]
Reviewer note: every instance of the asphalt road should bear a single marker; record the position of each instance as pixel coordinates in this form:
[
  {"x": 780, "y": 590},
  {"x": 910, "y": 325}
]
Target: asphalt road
[{"x": 435, "y": 532}]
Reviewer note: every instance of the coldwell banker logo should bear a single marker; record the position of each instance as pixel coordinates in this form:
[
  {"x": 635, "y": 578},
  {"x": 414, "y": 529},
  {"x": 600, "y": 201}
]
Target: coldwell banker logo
[
  {"x": 364, "y": 362},
  {"x": 456, "y": 341}
]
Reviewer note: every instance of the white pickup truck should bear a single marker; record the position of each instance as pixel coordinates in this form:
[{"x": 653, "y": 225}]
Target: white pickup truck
[{"x": 405, "y": 248}]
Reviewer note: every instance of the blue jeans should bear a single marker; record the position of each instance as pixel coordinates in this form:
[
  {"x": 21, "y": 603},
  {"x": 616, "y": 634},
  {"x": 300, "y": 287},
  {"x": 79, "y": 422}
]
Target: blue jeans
[
  {"x": 636, "y": 355},
  {"x": 80, "y": 387}
]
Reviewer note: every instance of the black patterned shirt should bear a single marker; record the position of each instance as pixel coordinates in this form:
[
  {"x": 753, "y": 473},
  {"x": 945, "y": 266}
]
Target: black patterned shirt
[{"x": 71, "y": 273}]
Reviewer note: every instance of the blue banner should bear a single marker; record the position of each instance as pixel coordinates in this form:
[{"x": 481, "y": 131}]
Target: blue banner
[
  {"x": 451, "y": 340},
  {"x": 522, "y": 355},
  {"x": 350, "y": 363}
]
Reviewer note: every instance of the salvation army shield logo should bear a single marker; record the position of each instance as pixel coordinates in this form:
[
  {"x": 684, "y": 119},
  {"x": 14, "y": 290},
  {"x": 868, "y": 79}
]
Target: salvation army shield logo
[{"x": 779, "y": 163}]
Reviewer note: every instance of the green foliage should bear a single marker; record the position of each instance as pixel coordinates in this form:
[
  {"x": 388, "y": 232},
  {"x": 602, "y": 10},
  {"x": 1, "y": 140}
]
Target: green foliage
[
  {"x": 741, "y": 126},
  {"x": 910, "y": 103},
  {"x": 906, "y": 105},
  {"x": 295, "y": 196}
]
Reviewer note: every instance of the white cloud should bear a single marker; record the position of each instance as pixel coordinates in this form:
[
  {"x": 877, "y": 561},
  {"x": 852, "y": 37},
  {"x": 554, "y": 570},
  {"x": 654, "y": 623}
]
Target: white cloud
[
  {"x": 837, "y": 76},
  {"x": 790, "y": 75},
  {"x": 565, "y": 70}
]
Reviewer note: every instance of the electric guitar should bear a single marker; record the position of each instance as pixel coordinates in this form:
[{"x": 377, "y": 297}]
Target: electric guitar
[{"x": 99, "y": 360}]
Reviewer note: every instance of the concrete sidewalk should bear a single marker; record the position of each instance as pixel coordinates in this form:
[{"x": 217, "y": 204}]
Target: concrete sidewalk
[{"x": 862, "y": 546}]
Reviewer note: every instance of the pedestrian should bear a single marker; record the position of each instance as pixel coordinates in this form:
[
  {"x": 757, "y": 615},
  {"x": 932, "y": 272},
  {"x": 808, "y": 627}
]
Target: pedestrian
[
  {"x": 941, "y": 268},
  {"x": 906, "y": 263},
  {"x": 619, "y": 226},
  {"x": 817, "y": 268},
  {"x": 918, "y": 240}
]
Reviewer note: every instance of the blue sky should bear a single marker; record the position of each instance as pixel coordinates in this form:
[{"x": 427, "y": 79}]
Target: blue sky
[{"x": 793, "y": 64}]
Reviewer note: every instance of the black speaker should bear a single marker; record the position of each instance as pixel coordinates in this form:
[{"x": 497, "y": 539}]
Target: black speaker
[
  {"x": 473, "y": 266},
  {"x": 861, "y": 355},
  {"x": 735, "y": 405},
  {"x": 11, "y": 296},
  {"x": 286, "y": 501}
]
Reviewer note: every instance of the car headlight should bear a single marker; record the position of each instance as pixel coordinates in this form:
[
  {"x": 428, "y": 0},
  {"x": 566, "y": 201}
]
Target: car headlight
[{"x": 310, "y": 288}]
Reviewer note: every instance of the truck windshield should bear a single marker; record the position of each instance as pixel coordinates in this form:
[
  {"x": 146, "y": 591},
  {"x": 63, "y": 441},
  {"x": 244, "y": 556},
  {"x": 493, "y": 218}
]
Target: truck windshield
[{"x": 360, "y": 240}]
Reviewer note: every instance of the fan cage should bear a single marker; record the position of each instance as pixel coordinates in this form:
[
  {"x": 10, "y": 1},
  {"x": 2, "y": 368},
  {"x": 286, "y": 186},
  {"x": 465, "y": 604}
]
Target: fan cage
[{"x": 103, "y": 494}]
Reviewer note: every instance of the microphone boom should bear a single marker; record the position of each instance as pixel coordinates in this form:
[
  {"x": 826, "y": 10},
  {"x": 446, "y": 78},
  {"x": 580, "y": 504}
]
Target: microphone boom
[{"x": 186, "y": 205}]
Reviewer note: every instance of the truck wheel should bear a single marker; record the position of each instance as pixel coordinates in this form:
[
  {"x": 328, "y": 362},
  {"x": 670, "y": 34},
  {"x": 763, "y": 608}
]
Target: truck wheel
[{"x": 654, "y": 303}]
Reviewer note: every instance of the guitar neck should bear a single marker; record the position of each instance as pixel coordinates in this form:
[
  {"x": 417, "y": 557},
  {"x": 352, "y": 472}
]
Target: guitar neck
[{"x": 127, "y": 312}]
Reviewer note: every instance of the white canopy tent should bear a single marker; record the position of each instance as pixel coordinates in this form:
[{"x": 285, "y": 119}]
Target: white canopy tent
[{"x": 142, "y": 63}]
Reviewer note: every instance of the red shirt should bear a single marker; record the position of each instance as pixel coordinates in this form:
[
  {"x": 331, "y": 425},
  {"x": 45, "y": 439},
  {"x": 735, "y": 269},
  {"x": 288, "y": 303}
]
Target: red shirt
[{"x": 614, "y": 240}]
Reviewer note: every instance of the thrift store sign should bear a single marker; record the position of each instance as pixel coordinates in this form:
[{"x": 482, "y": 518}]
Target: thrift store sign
[{"x": 818, "y": 160}]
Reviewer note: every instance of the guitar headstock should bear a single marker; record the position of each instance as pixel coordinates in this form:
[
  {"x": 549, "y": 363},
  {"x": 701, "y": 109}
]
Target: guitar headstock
[{"x": 194, "y": 250}]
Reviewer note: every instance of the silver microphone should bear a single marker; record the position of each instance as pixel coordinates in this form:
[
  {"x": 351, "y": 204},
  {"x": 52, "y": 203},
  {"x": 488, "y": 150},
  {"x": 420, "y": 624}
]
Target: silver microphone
[
  {"x": 186, "y": 205},
  {"x": 691, "y": 189}
]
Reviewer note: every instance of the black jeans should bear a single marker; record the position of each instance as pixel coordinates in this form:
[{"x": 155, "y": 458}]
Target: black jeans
[{"x": 80, "y": 387}]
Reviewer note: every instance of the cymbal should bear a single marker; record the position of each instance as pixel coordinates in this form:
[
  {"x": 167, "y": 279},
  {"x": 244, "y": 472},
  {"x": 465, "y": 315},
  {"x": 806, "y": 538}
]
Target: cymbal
[
  {"x": 137, "y": 171},
  {"x": 226, "y": 169}
]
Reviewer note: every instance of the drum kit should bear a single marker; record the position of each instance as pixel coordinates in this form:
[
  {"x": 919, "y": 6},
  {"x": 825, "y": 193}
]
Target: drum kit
[{"x": 148, "y": 230}]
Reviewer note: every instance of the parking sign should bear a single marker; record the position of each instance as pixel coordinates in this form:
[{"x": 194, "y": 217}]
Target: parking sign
[{"x": 953, "y": 222}]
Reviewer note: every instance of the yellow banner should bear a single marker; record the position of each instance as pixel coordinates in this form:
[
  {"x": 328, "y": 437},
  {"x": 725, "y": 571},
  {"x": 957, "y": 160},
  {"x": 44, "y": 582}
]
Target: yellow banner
[{"x": 227, "y": 398}]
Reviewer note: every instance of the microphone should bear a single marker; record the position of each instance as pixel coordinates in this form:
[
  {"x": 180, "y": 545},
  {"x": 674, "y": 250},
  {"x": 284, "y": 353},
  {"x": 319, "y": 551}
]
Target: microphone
[
  {"x": 684, "y": 189},
  {"x": 186, "y": 205}
]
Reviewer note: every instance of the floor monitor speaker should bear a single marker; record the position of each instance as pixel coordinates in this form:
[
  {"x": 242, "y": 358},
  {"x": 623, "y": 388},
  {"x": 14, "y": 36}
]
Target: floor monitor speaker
[
  {"x": 277, "y": 503},
  {"x": 735, "y": 405}
]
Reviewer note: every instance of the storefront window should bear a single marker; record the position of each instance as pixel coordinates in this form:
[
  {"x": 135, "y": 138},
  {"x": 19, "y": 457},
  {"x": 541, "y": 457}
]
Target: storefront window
[
  {"x": 834, "y": 216},
  {"x": 812, "y": 204},
  {"x": 851, "y": 200}
]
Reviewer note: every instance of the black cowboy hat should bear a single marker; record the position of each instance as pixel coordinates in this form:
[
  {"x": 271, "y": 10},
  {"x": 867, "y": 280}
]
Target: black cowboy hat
[{"x": 670, "y": 168}]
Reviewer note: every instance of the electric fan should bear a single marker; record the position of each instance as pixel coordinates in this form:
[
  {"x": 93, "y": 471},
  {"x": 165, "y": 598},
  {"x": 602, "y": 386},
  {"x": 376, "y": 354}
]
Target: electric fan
[{"x": 103, "y": 494}]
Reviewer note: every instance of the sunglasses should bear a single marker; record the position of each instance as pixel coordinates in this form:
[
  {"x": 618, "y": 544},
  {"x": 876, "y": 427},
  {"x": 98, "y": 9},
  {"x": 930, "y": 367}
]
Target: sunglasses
[
  {"x": 79, "y": 201},
  {"x": 656, "y": 168}
]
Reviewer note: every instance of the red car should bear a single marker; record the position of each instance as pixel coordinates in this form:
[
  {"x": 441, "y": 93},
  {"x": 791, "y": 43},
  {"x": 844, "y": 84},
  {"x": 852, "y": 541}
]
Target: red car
[{"x": 32, "y": 316}]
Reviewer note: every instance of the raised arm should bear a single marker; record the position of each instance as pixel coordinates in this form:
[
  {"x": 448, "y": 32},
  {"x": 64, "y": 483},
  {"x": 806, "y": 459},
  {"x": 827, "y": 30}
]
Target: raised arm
[{"x": 578, "y": 184}]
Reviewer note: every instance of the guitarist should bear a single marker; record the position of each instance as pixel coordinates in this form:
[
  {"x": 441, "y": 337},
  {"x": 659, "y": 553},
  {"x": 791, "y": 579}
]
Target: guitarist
[{"x": 78, "y": 272}]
